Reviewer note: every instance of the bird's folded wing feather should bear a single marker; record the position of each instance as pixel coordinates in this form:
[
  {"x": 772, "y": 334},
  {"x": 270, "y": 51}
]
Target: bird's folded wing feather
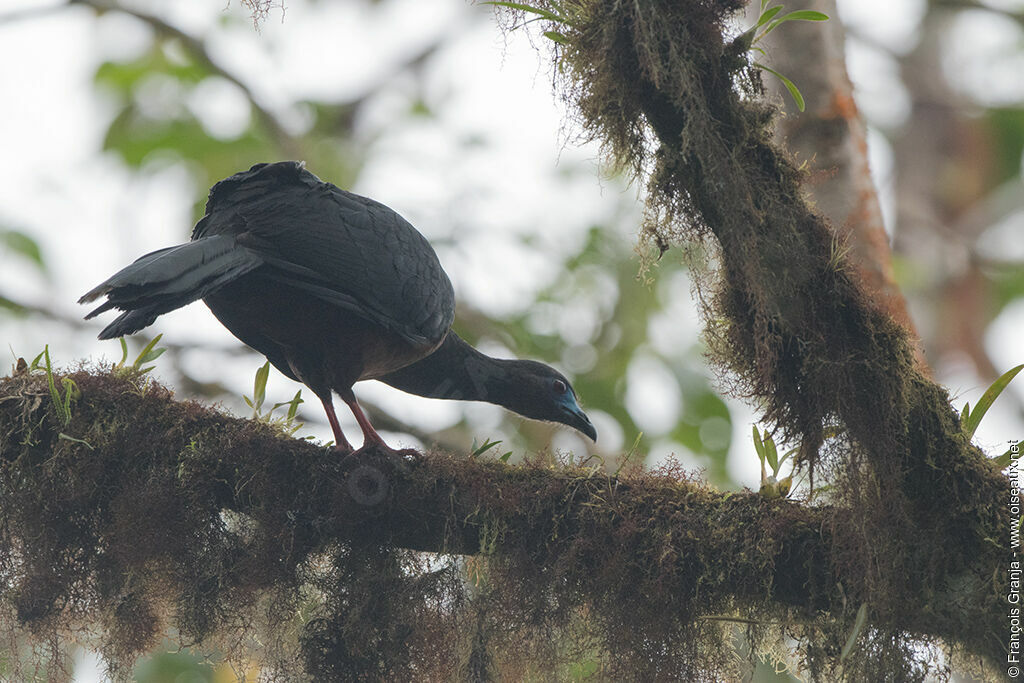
[
  {"x": 345, "y": 249},
  {"x": 167, "y": 279}
]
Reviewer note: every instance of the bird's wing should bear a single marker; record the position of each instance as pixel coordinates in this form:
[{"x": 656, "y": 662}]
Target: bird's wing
[
  {"x": 340, "y": 247},
  {"x": 167, "y": 279}
]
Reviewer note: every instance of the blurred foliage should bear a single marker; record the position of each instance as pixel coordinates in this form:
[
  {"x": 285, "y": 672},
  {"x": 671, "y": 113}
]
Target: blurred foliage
[
  {"x": 1006, "y": 127},
  {"x": 1008, "y": 284},
  {"x": 22, "y": 247},
  {"x": 156, "y": 124},
  {"x": 187, "y": 667},
  {"x": 145, "y": 130},
  {"x": 602, "y": 276},
  {"x": 957, "y": 177}
]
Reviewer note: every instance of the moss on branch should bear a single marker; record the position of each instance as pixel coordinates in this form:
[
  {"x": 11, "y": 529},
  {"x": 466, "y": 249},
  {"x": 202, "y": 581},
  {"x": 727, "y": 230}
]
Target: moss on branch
[
  {"x": 158, "y": 513},
  {"x": 674, "y": 100}
]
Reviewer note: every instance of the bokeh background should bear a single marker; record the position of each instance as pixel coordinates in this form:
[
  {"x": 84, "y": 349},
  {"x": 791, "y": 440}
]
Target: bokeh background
[{"x": 116, "y": 119}]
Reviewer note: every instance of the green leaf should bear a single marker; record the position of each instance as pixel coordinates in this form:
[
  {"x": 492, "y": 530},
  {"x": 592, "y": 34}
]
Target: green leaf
[
  {"x": 484, "y": 448},
  {"x": 793, "y": 91},
  {"x": 556, "y": 36},
  {"x": 1005, "y": 127},
  {"x": 152, "y": 355},
  {"x": 259, "y": 388},
  {"x": 767, "y": 16},
  {"x": 787, "y": 455},
  {"x": 805, "y": 15},
  {"x": 289, "y": 424},
  {"x": 858, "y": 626},
  {"x": 771, "y": 454},
  {"x": 758, "y": 444},
  {"x": 137, "y": 138},
  {"x": 124, "y": 352},
  {"x": 630, "y": 453},
  {"x": 798, "y": 15},
  {"x": 23, "y": 245},
  {"x": 72, "y": 391},
  {"x": 293, "y": 405},
  {"x": 12, "y": 306},
  {"x": 420, "y": 108},
  {"x": 505, "y": 457},
  {"x": 970, "y": 423},
  {"x": 59, "y": 404},
  {"x": 539, "y": 11},
  {"x": 1004, "y": 460},
  {"x": 147, "y": 352},
  {"x": 126, "y": 76}
]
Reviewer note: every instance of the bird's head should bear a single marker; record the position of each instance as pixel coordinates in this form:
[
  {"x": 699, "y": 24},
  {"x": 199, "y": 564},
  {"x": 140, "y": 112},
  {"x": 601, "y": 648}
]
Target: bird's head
[{"x": 540, "y": 392}]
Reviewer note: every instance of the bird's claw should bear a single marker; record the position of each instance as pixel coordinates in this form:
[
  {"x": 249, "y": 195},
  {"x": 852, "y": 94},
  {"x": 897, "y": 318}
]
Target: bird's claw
[{"x": 399, "y": 459}]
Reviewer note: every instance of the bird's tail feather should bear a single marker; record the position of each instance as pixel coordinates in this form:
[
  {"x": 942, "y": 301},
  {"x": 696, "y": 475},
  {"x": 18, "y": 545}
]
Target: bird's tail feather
[{"x": 168, "y": 279}]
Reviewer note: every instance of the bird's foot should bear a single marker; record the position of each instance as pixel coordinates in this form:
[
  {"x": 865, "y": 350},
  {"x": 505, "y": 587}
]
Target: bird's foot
[
  {"x": 399, "y": 458},
  {"x": 376, "y": 451}
]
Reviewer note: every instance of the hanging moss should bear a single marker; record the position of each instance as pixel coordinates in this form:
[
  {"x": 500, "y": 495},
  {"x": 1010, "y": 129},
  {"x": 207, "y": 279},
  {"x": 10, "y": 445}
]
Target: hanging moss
[
  {"x": 158, "y": 514},
  {"x": 787, "y": 323}
]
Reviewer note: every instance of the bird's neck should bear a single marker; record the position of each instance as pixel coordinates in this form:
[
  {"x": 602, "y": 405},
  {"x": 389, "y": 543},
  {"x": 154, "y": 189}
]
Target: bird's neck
[{"x": 457, "y": 371}]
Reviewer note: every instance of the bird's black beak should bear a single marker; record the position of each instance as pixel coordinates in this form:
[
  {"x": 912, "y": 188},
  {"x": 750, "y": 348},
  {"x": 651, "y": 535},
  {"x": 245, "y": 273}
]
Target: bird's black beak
[{"x": 577, "y": 419}]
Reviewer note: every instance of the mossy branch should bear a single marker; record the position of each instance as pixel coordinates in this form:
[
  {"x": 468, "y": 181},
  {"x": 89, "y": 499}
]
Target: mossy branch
[
  {"x": 800, "y": 332},
  {"x": 181, "y": 515},
  {"x": 793, "y": 329}
]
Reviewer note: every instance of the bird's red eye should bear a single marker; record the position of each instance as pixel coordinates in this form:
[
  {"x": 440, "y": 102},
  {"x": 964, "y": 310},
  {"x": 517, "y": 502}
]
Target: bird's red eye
[{"x": 559, "y": 387}]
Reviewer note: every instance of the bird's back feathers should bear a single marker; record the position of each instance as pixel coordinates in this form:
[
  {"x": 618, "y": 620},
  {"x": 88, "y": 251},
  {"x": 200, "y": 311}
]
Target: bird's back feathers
[
  {"x": 301, "y": 232},
  {"x": 339, "y": 246}
]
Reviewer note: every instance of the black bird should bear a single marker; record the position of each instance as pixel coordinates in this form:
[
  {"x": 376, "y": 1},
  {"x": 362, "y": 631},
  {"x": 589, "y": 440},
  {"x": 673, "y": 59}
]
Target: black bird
[{"x": 332, "y": 288}]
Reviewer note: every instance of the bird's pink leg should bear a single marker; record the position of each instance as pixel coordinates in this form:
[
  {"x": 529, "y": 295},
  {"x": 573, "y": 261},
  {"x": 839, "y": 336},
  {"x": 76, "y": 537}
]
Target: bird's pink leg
[
  {"x": 370, "y": 435},
  {"x": 341, "y": 444}
]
